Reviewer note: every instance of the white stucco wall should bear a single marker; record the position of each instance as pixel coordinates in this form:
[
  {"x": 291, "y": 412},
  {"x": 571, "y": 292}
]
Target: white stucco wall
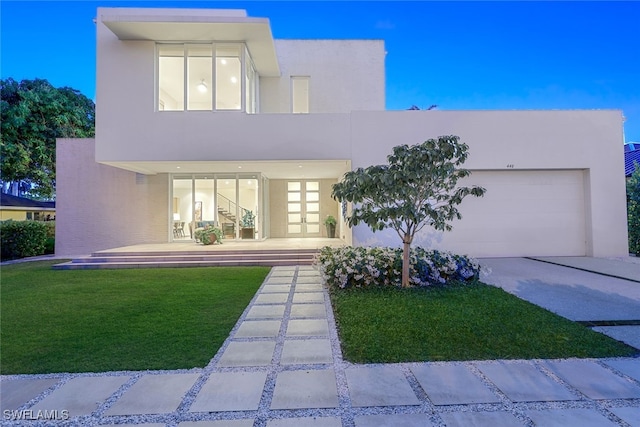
[
  {"x": 101, "y": 207},
  {"x": 345, "y": 75},
  {"x": 529, "y": 140}
]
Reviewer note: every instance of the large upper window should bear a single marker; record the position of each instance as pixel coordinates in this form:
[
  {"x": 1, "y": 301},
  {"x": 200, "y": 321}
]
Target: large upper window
[{"x": 217, "y": 76}]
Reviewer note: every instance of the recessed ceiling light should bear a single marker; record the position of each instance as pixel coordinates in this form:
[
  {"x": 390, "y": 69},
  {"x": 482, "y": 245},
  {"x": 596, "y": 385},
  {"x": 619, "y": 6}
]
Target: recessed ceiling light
[
  {"x": 234, "y": 80},
  {"x": 223, "y": 61},
  {"x": 299, "y": 166},
  {"x": 202, "y": 86},
  {"x": 177, "y": 167},
  {"x": 239, "y": 167}
]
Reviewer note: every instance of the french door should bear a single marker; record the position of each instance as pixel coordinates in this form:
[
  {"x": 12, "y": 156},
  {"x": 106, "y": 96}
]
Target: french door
[{"x": 303, "y": 208}]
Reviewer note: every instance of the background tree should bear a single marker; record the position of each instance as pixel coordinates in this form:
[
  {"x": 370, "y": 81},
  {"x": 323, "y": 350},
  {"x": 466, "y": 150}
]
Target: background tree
[
  {"x": 417, "y": 188},
  {"x": 633, "y": 210},
  {"x": 33, "y": 115}
]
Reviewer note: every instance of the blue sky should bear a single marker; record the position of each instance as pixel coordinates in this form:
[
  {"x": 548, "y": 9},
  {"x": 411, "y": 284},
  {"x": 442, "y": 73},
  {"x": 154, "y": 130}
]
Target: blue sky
[{"x": 458, "y": 55}]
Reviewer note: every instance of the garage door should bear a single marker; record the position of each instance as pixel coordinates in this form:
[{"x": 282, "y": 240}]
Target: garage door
[{"x": 524, "y": 213}]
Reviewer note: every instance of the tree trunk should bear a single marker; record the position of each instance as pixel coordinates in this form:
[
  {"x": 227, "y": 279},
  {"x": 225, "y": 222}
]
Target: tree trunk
[{"x": 405, "y": 262}]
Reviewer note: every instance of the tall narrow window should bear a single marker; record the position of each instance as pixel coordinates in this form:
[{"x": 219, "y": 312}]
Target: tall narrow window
[
  {"x": 171, "y": 77},
  {"x": 228, "y": 78},
  {"x": 299, "y": 94},
  {"x": 199, "y": 84},
  {"x": 250, "y": 85}
]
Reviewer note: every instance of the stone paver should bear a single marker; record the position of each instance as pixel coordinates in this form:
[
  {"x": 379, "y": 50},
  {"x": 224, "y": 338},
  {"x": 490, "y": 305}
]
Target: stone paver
[
  {"x": 15, "y": 393},
  {"x": 393, "y": 420},
  {"x": 306, "y": 421},
  {"x": 452, "y": 385},
  {"x": 275, "y": 289},
  {"x": 522, "y": 382},
  {"x": 309, "y": 288},
  {"x": 308, "y": 328},
  {"x": 154, "y": 394},
  {"x": 308, "y": 297},
  {"x": 305, "y": 389},
  {"x": 266, "y": 312},
  {"x": 308, "y": 279},
  {"x": 230, "y": 391},
  {"x": 273, "y": 298},
  {"x": 627, "y": 334},
  {"x": 593, "y": 380},
  {"x": 569, "y": 417},
  {"x": 306, "y": 352},
  {"x": 379, "y": 386},
  {"x": 258, "y": 353},
  {"x": 218, "y": 423},
  {"x": 259, "y": 329},
  {"x": 630, "y": 367},
  {"x": 308, "y": 310},
  {"x": 82, "y": 395},
  {"x": 629, "y": 414},
  {"x": 480, "y": 419}
]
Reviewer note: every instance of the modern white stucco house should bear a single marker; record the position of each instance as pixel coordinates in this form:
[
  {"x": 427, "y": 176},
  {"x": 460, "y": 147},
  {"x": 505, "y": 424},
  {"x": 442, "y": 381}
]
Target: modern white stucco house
[{"x": 201, "y": 116}]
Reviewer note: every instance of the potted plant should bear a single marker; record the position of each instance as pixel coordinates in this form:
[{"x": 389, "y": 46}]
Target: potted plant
[
  {"x": 209, "y": 235},
  {"x": 247, "y": 223},
  {"x": 330, "y": 223}
]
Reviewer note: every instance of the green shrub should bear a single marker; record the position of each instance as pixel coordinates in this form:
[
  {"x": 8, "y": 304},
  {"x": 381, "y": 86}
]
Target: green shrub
[
  {"x": 20, "y": 239},
  {"x": 633, "y": 211},
  {"x": 365, "y": 267}
]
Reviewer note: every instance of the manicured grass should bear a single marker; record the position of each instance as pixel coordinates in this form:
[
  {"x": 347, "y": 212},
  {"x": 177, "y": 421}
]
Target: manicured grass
[
  {"x": 103, "y": 320},
  {"x": 472, "y": 322}
]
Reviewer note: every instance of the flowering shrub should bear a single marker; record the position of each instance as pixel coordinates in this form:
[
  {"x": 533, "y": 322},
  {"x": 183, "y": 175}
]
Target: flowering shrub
[{"x": 361, "y": 267}]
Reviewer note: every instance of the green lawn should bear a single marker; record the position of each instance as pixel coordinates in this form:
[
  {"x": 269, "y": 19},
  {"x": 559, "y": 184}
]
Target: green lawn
[
  {"x": 473, "y": 322},
  {"x": 103, "y": 320}
]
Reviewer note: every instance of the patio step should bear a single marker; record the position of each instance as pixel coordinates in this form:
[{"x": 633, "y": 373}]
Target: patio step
[{"x": 158, "y": 259}]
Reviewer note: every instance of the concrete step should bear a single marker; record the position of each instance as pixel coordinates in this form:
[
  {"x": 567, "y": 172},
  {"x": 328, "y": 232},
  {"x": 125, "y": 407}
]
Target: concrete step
[{"x": 199, "y": 258}]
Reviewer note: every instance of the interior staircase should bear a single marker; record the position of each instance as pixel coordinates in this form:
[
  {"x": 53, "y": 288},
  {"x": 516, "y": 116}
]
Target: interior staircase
[{"x": 196, "y": 258}]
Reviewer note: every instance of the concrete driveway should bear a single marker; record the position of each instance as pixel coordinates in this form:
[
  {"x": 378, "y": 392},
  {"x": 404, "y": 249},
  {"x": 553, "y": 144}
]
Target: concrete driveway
[{"x": 574, "y": 293}]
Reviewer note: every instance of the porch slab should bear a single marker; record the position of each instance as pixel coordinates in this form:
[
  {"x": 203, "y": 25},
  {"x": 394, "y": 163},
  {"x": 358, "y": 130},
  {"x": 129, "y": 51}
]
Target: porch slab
[
  {"x": 522, "y": 382},
  {"x": 308, "y": 328},
  {"x": 569, "y": 417},
  {"x": 305, "y": 390},
  {"x": 309, "y": 310},
  {"x": 452, "y": 385},
  {"x": 308, "y": 297},
  {"x": 299, "y": 352},
  {"x": 480, "y": 419},
  {"x": 379, "y": 386},
  {"x": 230, "y": 391},
  {"x": 266, "y": 312},
  {"x": 15, "y": 393},
  {"x": 306, "y": 421},
  {"x": 593, "y": 380},
  {"x": 256, "y": 353},
  {"x": 82, "y": 395},
  {"x": 271, "y": 298},
  {"x": 391, "y": 420},
  {"x": 154, "y": 394}
]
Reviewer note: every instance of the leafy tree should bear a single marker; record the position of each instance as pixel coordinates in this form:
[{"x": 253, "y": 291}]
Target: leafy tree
[
  {"x": 417, "y": 188},
  {"x": 33, "y": 115},
  {"x": 633, "y": 210}
]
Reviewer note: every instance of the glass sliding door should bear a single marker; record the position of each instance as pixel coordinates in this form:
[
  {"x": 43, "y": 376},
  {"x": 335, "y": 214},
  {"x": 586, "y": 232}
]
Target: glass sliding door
[
  {"x": 227, "y": 205},
  {"x": 248, "y": 205},
  {"x": 182, "y": 208},
  {"x": 204, "y": 204}
]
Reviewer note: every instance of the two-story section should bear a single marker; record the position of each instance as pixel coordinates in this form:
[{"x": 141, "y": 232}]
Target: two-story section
[{"x": 248, "y": 132}]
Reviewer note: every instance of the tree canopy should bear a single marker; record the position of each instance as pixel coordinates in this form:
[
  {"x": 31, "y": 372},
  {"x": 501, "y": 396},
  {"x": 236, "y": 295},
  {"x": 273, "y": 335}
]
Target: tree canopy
[
  {"x": 417, "y": 188},
  {"x": 33, "y": 115}
]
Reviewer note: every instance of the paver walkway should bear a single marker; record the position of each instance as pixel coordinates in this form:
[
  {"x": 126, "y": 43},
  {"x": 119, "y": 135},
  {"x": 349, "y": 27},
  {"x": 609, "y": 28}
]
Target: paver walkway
[{"x": 281, "y": 366}]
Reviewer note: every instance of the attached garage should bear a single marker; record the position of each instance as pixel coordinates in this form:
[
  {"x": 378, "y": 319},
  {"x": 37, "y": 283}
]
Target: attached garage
[{"x": 523, "y": 213}]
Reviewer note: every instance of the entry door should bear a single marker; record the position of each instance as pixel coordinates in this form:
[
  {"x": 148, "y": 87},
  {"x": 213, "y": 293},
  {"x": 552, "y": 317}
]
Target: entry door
[{"x": 303, "y": 209}]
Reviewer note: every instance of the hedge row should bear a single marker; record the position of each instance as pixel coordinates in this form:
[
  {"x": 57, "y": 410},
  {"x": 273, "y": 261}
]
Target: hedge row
[{"x": 20, "y": 239}]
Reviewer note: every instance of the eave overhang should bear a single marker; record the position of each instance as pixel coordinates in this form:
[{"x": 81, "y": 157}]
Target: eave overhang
[{"x": 194, "y": 25}]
